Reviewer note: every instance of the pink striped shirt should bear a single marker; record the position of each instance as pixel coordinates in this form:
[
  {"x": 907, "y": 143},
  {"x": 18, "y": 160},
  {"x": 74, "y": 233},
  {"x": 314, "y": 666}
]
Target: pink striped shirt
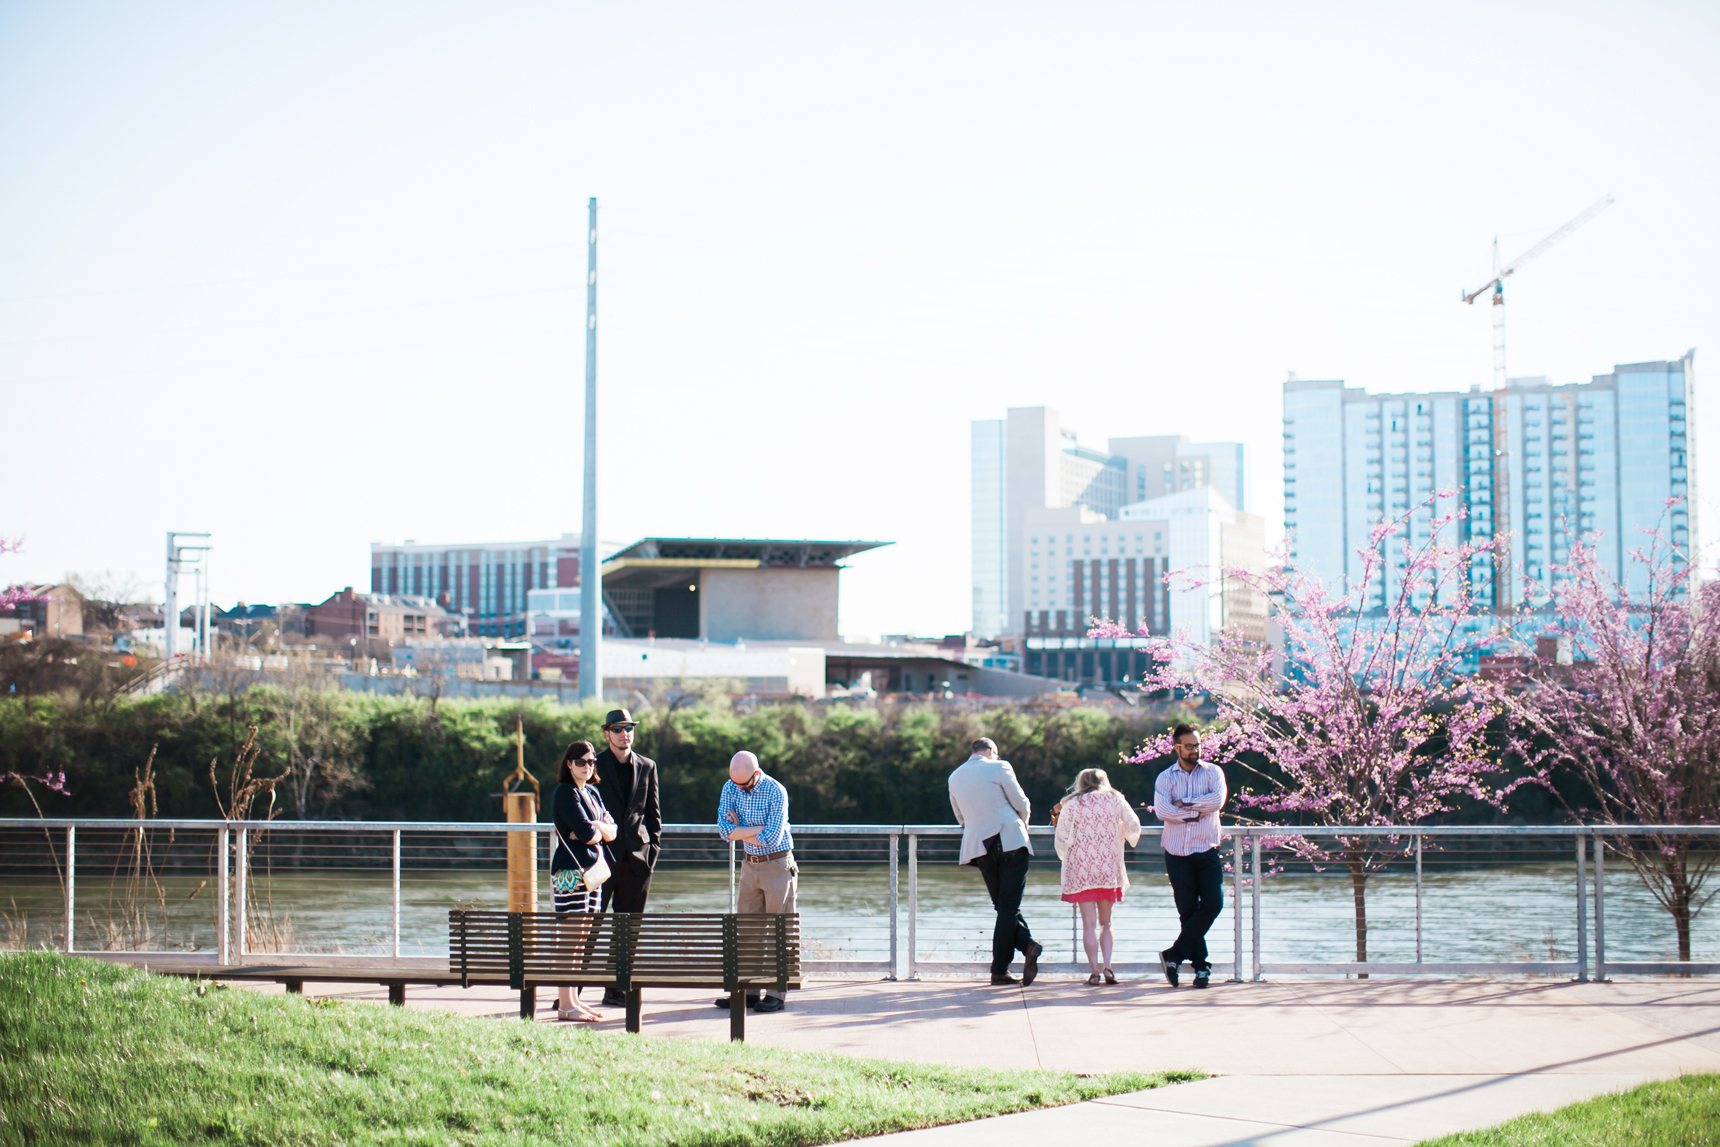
[{"x": 1203, "y": 791}]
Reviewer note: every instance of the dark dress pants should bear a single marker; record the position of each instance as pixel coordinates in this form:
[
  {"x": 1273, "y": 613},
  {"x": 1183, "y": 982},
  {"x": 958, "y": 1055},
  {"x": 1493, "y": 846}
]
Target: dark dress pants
[
  {"x": 1197, "y": 881},
  {"x": 628, "y": 886},
  {"x": 1005, "y": 876}
]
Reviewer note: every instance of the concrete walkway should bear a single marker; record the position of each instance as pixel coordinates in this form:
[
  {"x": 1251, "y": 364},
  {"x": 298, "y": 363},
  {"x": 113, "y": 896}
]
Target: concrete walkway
[{"x": 1302, "y": 1063}]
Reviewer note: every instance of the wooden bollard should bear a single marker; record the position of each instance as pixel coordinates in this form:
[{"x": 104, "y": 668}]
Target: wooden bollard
[{"x": 522, "y": 852}]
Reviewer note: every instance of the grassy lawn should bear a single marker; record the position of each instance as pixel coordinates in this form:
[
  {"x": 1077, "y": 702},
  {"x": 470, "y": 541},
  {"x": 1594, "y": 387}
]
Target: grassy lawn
[
  {"x": 91, "y": 1053},
  {"x": 1669, "y": 1114}
]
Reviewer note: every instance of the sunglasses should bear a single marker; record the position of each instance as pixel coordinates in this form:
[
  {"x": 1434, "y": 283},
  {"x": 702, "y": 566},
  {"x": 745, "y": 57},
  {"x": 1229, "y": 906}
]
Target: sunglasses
[
  {"x": 622, "y": 728},
  {"x": 590, "y": 761}
]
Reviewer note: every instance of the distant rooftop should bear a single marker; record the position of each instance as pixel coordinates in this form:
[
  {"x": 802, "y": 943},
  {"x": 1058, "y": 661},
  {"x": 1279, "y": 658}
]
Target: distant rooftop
[{"x": 776, "y": 552}]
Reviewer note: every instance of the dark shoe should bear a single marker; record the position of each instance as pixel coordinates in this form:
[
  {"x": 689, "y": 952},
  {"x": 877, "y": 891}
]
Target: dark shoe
[
  {"x": 723, "y": 1001},
  {"x": 1030, "y": 962},
  {"x": 1000, "y": 981},
  {"x": 1201, "y": 976},
  {"x": 1170, "y": 967},
  {"x": 613, "y": 999},
  {"x": 768, "y": 1004}
]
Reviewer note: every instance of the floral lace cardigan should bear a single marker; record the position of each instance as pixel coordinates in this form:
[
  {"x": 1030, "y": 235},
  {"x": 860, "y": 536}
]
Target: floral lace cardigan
[{"x": 1091, "y": 829}]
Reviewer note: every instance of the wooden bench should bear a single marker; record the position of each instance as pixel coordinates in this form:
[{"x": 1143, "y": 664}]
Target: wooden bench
[{"x": 732, "y": 952}]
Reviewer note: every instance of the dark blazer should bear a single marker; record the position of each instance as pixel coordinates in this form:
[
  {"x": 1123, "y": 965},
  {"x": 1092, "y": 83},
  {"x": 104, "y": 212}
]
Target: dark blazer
[
  {"x": 639, "y": 818},
  {"x": 576, "y": 823}
]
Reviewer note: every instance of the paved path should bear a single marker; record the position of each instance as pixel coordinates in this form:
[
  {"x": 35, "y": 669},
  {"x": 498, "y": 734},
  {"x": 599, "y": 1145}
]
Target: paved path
[{"x": 1302, "y": 1063}]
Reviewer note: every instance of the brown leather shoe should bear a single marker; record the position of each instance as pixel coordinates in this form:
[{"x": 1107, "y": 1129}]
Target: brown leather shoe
[{"x": 1030, "y": 962}]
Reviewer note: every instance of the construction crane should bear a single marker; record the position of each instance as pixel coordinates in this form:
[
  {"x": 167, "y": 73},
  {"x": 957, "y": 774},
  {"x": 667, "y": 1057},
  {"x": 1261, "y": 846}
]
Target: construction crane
[{"x": 1500, "y": 274}]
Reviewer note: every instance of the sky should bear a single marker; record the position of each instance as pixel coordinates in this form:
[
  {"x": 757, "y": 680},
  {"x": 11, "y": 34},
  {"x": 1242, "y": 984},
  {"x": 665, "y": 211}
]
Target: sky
[{"x": 310, "y": 276}]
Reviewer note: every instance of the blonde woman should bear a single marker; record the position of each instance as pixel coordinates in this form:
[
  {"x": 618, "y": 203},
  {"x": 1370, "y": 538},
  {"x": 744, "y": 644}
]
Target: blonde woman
[{"x": 1092, "y": 825}]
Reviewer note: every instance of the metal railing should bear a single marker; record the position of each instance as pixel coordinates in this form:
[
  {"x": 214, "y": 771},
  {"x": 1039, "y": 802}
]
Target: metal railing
[{"x": 1257, "y": 858}]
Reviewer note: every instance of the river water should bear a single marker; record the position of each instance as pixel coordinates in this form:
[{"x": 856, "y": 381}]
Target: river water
[{"x": 1471, "y": 912}]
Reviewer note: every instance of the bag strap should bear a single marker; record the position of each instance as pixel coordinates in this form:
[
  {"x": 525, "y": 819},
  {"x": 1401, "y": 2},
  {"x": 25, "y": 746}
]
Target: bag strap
[{"x": 570, "y": 853}]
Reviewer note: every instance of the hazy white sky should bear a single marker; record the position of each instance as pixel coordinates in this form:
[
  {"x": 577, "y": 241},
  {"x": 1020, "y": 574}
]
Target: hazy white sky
[{"x": 311, "y": 275}]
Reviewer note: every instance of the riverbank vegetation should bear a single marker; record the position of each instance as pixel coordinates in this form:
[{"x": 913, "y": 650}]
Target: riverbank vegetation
[
  {"x": 100, "y": 1054},
  {"x": 367, "y": 757},
  {"x": 1682, "y": 1112}
]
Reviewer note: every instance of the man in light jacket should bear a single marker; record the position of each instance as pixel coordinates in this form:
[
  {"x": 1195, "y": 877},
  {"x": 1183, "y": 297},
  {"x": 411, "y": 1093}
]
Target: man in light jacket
[{"x": 993, "y": 813}]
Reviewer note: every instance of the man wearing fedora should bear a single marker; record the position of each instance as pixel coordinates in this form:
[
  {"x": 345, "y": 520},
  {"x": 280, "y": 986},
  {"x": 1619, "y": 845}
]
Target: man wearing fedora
[{"x": 627, "y": 782}]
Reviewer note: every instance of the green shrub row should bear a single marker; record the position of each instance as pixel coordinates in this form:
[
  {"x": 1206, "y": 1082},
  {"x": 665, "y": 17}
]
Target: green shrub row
[{"x": 363, "y": 756}]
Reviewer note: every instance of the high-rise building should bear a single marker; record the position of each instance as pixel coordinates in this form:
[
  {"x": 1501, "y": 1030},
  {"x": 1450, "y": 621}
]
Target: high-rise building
[
  {"x": 488, "y": 582},
  {"x": 1540, "y": 465},
  {"x": 1028, "y": 464}
]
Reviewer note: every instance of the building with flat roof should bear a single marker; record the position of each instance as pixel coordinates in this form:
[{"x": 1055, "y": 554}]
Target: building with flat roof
[
  {"x": 709, "y": 589},
  {"x": 1028, "y": 464},
  {"x": 1540, "y": 466}
]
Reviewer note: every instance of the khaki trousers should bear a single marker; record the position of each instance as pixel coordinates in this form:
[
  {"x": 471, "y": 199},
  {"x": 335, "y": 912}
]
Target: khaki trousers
[{"x": 767, "y": 887}]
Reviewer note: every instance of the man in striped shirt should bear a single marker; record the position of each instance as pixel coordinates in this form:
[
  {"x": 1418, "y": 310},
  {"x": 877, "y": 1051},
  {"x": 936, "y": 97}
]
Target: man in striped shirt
[
  {"x": 754, "y": 810},
  {"x": 1187, "y": 797}
]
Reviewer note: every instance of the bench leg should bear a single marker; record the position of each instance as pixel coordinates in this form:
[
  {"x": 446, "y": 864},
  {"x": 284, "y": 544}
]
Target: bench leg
[
  {"x": 295, "y": 987},
  {"x": 738, "y": 1015},
  {"x": 528, "y": 1003},
  {"x": 397, "y": 993},
  {"x": 633, "y": 1002}
]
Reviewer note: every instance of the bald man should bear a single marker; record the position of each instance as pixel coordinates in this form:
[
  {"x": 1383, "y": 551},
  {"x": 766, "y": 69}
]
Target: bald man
[{"x": 754, "y": 811}]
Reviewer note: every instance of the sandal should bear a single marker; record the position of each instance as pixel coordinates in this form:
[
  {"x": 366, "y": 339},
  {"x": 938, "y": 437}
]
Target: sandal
[
  {"x": 1094, "y": 980},
  {"x": 578, "y": 1016},
  {"x": 1110, "y": 976}
]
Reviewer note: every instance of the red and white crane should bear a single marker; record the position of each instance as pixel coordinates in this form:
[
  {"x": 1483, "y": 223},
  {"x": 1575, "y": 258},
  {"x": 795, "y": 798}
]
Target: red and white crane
[{"x": 1500, "y": 274}]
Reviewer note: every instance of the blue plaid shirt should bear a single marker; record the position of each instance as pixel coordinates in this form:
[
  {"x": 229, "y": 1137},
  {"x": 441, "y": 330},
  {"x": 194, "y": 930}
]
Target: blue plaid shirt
[{"x": 765, "y": 805}]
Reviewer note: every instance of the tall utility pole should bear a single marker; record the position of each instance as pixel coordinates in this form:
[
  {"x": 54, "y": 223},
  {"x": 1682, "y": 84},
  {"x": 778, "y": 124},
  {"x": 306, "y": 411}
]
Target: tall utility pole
[{"x": 590, "y": 576}]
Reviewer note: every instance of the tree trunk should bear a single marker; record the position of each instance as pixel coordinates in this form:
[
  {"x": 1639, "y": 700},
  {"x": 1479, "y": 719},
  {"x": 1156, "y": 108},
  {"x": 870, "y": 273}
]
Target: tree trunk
[
  {"x": 1359, "y": 895},
  {"x": 1681, "y": 895}
]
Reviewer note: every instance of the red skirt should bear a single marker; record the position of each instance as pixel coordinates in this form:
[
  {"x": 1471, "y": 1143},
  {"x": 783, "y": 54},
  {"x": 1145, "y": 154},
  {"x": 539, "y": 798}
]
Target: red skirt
[{"x": 1094, "y": 896}]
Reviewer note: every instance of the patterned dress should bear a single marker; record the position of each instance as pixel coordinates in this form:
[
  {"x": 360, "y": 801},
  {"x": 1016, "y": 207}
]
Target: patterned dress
[{"x": 1090, "y": 834}]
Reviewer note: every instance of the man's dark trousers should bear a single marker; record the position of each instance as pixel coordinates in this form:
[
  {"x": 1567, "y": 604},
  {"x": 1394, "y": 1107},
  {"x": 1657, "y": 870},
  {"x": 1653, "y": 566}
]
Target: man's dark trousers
[
  {"x": 1006, "y": 879},
  {"x": 1197, "y": 881},
  {"x": 628, "y": 886}
]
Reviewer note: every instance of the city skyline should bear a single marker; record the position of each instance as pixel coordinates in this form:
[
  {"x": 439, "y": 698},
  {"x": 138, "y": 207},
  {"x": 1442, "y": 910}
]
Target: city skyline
[{"x": 309, "y": 281}]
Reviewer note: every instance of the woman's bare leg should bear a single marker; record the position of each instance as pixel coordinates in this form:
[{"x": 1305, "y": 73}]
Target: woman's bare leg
[
  {"x": 1089, "y": 939},
  {"x": 1106, "y": 939}
]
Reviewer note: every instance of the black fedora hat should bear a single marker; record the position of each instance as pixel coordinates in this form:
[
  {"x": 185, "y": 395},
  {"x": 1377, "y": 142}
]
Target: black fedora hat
[{"x": 618, "y": 717}]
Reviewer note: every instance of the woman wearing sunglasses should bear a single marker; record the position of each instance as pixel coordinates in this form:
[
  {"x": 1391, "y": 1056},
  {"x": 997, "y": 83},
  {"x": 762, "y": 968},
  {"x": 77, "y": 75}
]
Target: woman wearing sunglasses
[{"x": 582, "y": 826}]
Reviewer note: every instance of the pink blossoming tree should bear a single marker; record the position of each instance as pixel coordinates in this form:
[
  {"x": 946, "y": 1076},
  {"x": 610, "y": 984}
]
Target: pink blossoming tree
[
  {"x": 1636, "y": 717},
  {"x": 1370, "y": 717}
]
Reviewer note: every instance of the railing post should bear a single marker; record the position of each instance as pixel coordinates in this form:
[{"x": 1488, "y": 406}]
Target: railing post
[
  {"x": 732, "y": 900},
  {"x": 1236, "y": 908},
  {"x": 397, "y": 893},
  {"x": 1600, "y": 910},
  {"x": 895, "y": 968},
  {"x": 241, "y": 870},
  {"x": 1582, "y": 910},
  {"x": 913, "y": 902},
  {"x": 1254, "y": 906},
  {"x": 1418, "y": 840},
  {"x": 71, "y": 885},
  {"x": 222, "y": 906}
]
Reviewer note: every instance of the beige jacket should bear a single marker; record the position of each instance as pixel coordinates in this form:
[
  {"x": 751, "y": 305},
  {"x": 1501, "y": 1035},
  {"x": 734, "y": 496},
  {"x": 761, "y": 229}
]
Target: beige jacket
[{"x": 988, "y": 801}]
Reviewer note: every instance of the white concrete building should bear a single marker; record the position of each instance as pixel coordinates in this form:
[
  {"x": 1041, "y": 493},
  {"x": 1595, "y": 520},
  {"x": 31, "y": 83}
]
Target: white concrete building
[
  {"x": 1028, "y": 464},
  {"x": 1205, "y": 536}
]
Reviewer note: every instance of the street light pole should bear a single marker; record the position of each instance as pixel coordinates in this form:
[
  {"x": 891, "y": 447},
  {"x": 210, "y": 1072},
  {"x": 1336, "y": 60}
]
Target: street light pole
[{"x": 590, "y": 576}]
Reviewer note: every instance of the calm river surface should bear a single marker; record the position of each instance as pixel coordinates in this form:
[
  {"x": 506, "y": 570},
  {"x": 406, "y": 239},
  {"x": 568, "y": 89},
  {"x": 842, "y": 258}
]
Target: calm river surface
[{"x": 1516, "y": 911}]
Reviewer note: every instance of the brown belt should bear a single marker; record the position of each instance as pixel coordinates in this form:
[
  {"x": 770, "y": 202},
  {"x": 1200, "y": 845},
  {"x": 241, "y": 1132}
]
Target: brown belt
[{"x": 761, "y": 858}]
